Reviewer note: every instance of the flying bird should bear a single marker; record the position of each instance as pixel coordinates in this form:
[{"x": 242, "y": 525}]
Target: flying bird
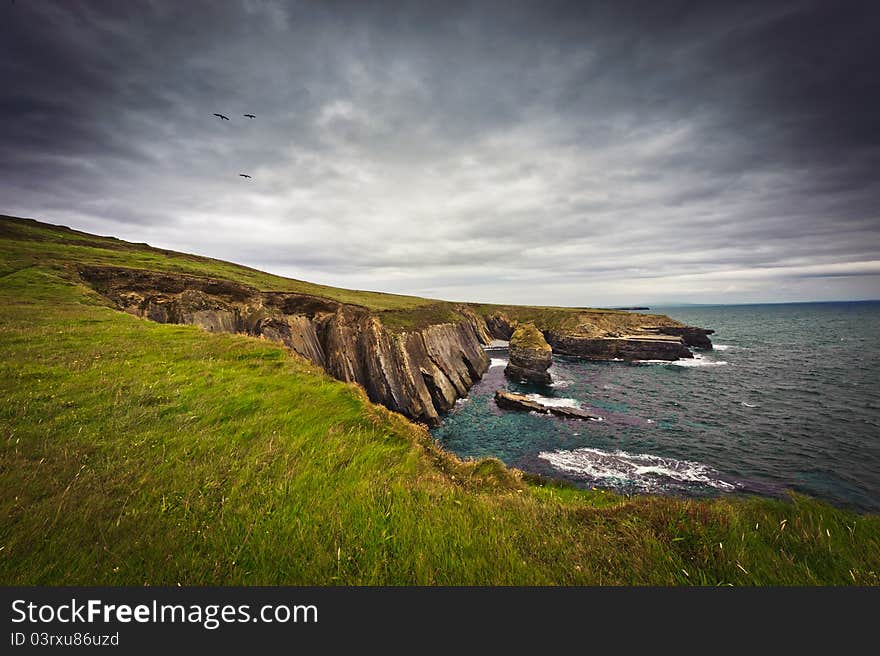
[
  {"x": 220, "y": 116},
  {"x": 244, "y": 175},
  {"x": 249, "y": 115}
]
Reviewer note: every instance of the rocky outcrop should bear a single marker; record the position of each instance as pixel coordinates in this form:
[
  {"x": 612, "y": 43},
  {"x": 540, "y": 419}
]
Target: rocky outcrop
[
  {"x": 511, "y": 401},
  {"x": 481, "y": 330},
  {"x": 691, "y": 336},
  {"x": 419, "y": 373},
  {"x": 602, "y": 334},
  {"x": 499, "y": 326},
  {"x": 627, "y": 347},
  {"x": 529, "y": 355},
  {"x": 297, "y": 332}
]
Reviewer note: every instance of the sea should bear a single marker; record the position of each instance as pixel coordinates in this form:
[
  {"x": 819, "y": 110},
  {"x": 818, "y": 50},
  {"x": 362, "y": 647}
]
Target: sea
[{"x": 789, "y": 399}]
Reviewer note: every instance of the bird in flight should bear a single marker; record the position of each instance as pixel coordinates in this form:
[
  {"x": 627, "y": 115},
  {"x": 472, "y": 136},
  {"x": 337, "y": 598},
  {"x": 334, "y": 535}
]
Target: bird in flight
[
  {"x": 249, "y": 115},
  {"x": 220, "y": 116},
  {"x": 244, "y": 175}
]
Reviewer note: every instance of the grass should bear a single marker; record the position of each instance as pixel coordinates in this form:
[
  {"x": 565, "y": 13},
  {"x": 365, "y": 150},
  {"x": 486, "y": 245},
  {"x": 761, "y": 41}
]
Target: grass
[
  {"x": 526, "y": 336},
  {"x": 25, "y": 242},
  {"x": 139, "y": 453}
]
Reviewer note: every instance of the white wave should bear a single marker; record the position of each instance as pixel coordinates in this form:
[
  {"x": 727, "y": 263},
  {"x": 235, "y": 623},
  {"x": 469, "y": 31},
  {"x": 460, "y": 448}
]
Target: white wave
[
  {"x": 641, "y": 470},
  {"x": 697, "y": 361},
  {"x": 561, "y": 383},
  {"x": 496, "y": 344},
  {"x": 748, "y": 405},
  {"x": 497, "y": 362},
  {"x": 462, "y": 400},
  {"x": 723, "y": 347},
  {"x": 554, "y": 402}
]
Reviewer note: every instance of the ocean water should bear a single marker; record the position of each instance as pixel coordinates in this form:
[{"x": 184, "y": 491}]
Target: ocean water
[{"x": 789, "y": 399}]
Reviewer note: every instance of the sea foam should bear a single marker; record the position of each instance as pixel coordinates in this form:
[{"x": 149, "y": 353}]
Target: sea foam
[
  {"x": 697, "y": 361},
  {"x": 551, "y": 401},
  {"x": 496, "y": 345},
  {"x": 641, "y": 471}
]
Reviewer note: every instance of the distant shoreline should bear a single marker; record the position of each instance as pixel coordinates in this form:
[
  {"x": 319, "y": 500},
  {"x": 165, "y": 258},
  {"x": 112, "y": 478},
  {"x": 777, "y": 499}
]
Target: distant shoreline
[{"x": 704, "y": 305}]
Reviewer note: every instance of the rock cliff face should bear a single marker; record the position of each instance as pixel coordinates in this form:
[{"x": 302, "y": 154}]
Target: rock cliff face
[
  {"x": 602, "y": 334},
  {"x": 630, "y": 347},
  {"x": 529, "y": 355},
  {"x": 419, "y": 373},
  {"x": 499, "y": 326}
]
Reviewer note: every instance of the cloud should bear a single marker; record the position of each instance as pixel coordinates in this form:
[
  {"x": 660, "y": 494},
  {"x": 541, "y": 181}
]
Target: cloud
[{"x": 566, "y": 153}]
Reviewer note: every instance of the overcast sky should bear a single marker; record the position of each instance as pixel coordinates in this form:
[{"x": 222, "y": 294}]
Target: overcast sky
[{"x": 550, "y": 153}]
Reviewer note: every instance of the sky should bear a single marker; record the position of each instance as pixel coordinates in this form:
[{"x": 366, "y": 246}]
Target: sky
[{"x": 553, "y": 153}]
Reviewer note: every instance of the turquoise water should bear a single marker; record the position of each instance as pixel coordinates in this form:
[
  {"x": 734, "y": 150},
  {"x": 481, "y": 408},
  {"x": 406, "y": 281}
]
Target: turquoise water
[{"x": 789, "y": 399}]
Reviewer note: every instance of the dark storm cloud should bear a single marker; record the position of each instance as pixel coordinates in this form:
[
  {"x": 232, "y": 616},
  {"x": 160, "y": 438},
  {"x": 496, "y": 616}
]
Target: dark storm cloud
[{"x": 538, "y": 152}]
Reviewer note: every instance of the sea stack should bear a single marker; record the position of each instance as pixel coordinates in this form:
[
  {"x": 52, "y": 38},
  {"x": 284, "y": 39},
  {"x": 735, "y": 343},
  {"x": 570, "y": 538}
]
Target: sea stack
[{"x": 529, "y": 355}]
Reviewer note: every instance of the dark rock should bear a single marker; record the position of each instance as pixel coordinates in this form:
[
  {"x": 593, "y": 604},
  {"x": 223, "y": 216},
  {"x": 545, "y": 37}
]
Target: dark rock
[
  {"x": 529, "y": 355},
  {"x": 511, "y": 401},
  {"x": 478, "y": 324},
  {"x": 296, "y": 332},
  {"x": 619, "y": 348},
  {"x": 109, "y": 278},
  {"x": 692, "y": 336},
  {"x": 499, "y": 326}
]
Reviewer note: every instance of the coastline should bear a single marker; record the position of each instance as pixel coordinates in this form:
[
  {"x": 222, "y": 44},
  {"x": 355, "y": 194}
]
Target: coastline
[{"x": 139, "y": 452}]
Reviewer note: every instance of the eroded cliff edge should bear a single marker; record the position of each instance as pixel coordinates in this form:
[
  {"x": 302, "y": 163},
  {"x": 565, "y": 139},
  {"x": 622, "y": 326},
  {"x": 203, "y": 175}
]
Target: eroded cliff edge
[{"x": 419, "y": 371}]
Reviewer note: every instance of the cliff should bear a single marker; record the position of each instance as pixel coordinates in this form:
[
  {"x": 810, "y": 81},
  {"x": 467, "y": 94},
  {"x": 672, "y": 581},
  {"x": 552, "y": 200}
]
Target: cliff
[
  {"x": 419, "y": 373},
  {"x": 691, "y": 336},
  {"x": 601, "y": 334},
  {"x": 418, "y": 368},
  {"x": 625, "y": 347}
]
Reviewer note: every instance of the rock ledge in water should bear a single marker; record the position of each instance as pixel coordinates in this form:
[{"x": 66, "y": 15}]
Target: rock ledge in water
[{"x": 511, "y": 401}]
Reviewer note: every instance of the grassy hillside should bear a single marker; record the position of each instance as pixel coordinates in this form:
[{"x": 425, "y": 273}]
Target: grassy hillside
[
  {"x": 134, "y": 452},
  {"x": 25, "y": 242}
]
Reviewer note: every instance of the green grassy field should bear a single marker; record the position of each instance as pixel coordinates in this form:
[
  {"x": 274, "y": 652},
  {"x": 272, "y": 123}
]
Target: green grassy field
[{"x": 138, "y": 453}]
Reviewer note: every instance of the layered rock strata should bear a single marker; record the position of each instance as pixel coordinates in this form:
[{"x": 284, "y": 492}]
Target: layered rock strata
[
  {"x": 419, "y": 373},
  {"x": 626, "y": 347},
  {"x": 691, "y": 336},
  {"x": 499, "y": 326}
]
